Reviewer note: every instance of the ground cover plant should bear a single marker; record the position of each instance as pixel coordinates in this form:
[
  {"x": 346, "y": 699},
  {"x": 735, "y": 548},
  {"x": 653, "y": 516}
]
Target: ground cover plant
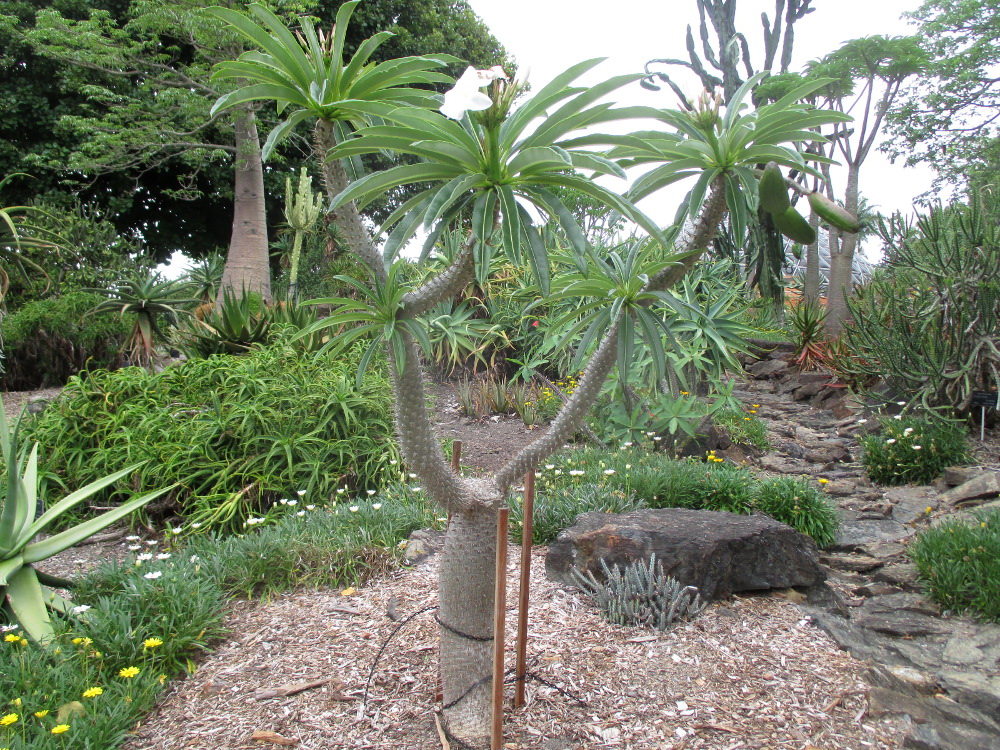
[
  {"x": 912, "y": 449},
  {"x": 232, "y": 434},
  {"x": 616, "y": 481},
  {"x": 959, "y": 564}
]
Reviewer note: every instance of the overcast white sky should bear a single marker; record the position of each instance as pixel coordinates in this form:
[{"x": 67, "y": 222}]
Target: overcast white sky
[{"x": 547, "y": 36}]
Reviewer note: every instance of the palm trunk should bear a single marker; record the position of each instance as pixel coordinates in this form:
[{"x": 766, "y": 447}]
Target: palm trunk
[
  {"x": 810, "y": 289},
  {"x": 247, "y": 264}
]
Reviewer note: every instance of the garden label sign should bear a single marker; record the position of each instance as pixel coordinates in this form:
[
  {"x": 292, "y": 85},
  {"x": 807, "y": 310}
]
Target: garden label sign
[{"x": 985, "y": 400}]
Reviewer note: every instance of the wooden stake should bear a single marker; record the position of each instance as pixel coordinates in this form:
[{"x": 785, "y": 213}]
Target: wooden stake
[
  {"x": 499, "y": 614},
  {"x": 456, "y": 455},
  {"x": 522, "y": 605}
]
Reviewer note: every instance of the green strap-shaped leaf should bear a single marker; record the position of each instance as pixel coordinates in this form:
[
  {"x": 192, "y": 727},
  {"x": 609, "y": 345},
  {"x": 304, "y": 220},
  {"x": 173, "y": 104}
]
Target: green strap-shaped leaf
[
  {"x": 9, "y": 567},
  {"x": 484, "y": 217},
  {"x": 510, "y": 223},
  {"x": 65, "y": 539},
  {"x": 26, "y": 601},
  {"x": 537, "y": 255}
]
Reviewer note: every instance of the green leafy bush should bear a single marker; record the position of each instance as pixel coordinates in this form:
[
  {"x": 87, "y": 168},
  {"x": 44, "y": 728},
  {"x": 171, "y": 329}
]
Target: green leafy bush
[
  {"x": 959, "y": 564},
  {"x": 743, "y": 429},
  {"x": 800, "y": 504},
  {"x": 913, "y": 450},
  {"x": 926, "y": 325},
  {"x": 236, "y": 434},
  {"x": 48, "y": 341}
]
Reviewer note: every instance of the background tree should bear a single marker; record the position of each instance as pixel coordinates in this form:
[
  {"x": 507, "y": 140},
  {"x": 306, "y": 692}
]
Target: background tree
[
  {"x": 731, "y": 48},
  {"x": 948, "y": 116},
  {"x": 868, "y": 75},
  {"x": 139, "y": 121}
]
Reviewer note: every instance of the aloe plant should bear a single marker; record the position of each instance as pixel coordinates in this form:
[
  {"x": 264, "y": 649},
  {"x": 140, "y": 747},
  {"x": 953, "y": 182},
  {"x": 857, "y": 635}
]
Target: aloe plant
[{"x": 26, "y": 594}]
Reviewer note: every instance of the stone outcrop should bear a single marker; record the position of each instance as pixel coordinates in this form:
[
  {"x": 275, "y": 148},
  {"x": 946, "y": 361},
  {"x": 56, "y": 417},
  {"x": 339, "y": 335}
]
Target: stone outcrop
[{"x": 719, "y": 553}]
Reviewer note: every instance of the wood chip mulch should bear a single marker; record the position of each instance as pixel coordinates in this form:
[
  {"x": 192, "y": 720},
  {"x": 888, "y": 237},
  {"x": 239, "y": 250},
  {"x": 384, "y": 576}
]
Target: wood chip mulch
[{"x": 748, "y": 673}]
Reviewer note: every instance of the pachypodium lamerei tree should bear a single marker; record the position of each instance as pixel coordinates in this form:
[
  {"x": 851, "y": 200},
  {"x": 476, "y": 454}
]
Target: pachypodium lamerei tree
[{"x": 486, "y": 165}]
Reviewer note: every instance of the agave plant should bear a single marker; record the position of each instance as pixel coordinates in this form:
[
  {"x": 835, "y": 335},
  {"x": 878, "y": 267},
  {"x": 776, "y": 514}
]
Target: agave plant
[
  {"x": 146, "y": 298},
  {"x": 26, "y": 594}
]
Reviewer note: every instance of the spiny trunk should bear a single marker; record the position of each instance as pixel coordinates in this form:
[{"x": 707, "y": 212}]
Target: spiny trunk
[
  {"x": 247, "y": 264},
  {"x": 466, "y": 589}
]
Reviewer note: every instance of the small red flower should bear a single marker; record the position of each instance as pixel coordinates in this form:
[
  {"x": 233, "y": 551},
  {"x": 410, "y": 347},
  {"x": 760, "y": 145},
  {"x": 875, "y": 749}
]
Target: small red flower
[{"x": 535, "y": 324}]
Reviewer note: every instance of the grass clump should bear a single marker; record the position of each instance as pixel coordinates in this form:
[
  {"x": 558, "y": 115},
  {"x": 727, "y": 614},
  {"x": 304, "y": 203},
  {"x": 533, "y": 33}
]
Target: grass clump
[
  {"x": 800, "y": 504},
  {"x": 235, "y": 434},
  {"x": 557, "y": 509},
  {"x": 958, "y": 563},
  {"x": 910, "y": 449},
  {"x": 587, "y": 479},
  {"x": 743, "y": 428}
]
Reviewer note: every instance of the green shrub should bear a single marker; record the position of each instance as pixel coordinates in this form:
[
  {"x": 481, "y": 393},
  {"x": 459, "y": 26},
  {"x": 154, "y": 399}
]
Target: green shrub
[
  {"x": 800, "y": 504},
  {"x": 913, "y": 450},
  {"x": 557, "y": 509},
  {"x": 236, "y": 434},
  {"x": 959, "y": 564},
  {"x": 743, "y": 428},
  {"x": 48, "y": 341}
]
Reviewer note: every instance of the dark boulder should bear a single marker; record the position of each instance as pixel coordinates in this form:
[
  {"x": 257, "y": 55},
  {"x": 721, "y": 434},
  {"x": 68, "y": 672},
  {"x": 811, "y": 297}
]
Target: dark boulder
[{"x": 719, "y": 553}]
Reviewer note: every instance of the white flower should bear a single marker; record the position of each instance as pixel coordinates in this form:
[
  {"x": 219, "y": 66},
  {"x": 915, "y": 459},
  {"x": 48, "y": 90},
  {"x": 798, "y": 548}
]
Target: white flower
[
  {"x": 658, "y": 438},
  {"x": 300, "y": 493},
  {"x": 415, "y": 489},
  {"x": 609, "y": 472},
  {"x": 898, "y": 416},
  {"x": 650, "y": 434},
  {"x": 151, "y": 542},
  {"x": 412, "y": 475},
  {"x": 376, "y": 506},
  {"x": 80, "y": 609},
  {"x": 890, "y": 441},
  {"x": 355, "y": 508},
  {"x": 862, "y": 421},
  {"x": 292, "y": 503},
  {"x": 550, "y": 467},
  {"x": 144, "y": 556},
  {"x": 7, "y": 628},
  {"x": 340, "y": 491},
  {"x": 132, "y": 538},
  {"x": 310, "y": 507},
  {"x": 465, "y": 95},
  {"x": 196, "y": 525},
  {"x": 392, "y": 462},
  {"x": 300, "y": 513},
  {"x": 177, "y": 529},
  {"x": 628, "y": 466},
  {"x": 194, "y": 558},
  {"x": 284, "y": 501},
  {"x": 163, "y": 556},
  {"x": 443, "y": 520},
  {"x": 900, "y": 403},
  {"x": 918, "y": 447},
  {"x": 370, "y": 492},
  {"x": 254, "y": 521},
  {"x": 626, "y": 445},
  {"x": 152, "y": 575},
  {"x": 576, "y": 472},
  {"x": 402, "y": 544},
  {"x": 134, "y": 547},
  {"x": 908, "y": 430},
  {"x": 557, "y": 472}
]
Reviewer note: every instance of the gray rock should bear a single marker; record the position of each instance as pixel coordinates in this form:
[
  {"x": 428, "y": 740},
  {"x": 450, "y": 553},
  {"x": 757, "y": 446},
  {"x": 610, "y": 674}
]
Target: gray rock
[
  {"x": 949, "y": 737},
  {"x": 719, "y": 553},
  {"x": 901, "y": 624},
  {"x": 979, "y": 691},
  {"x": 956, "y": 475},
  {"x": 768, "y": 368},
  {"x": 975, "y": 645},
  {"x": 851, "y": 562},
  {"x": 985, "y": 486},
  {"x": 853, "y": 534},
  {"x": 939, "y": 711},
  {"x": 899, "y": 602},
  {"x": 911, "y": 503},
  {"x": 903, "y": 575},
  {"x": 422, "y": 544}
]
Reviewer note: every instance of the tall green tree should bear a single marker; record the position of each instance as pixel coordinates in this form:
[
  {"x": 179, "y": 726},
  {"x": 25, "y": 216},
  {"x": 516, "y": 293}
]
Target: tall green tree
[
  {"x": 948, "y": 117},
  {"x": 868, "y": 75}
]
